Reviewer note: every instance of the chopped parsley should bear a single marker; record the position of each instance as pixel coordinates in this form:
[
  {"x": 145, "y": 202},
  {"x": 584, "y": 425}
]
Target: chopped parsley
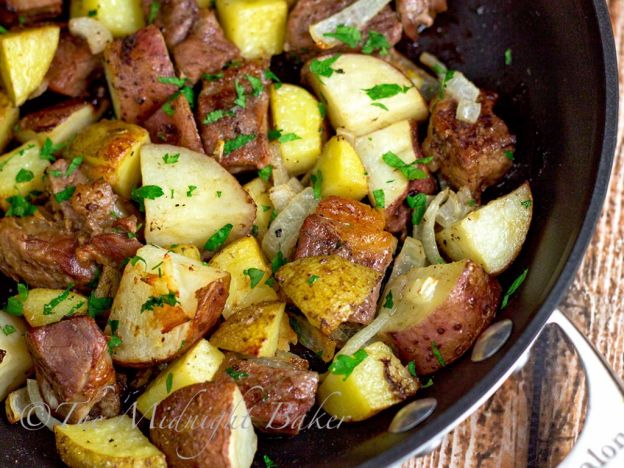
[
  {"x": 472, "y": 203},
  {"x": 408, "y": 170},
  {"x": 20, "y": 207},
  {"x": 376, "y": 42},
  {"x": 92, "y": 13},
  {"x": 255, "y": 276},
  {"x": 219, "y": 193},
  {"x": 172, "y": 80},
  {"x": 324, "y": 67},
  {"x": 256, "y": 85},
  {"x": 385, "y": 91},
  {"x": 169, "y": 382},
  {"x": 380, "y": 105},
  {"x": 24, "y": 175},
  {"x": 238, "y": 142},
  {"x": 428, "y": 383},
  {"x": 389, "y": 302},
  {"x": 171, "y": 158},
  {"x": 277, "y": 134},
  {"x": 216, "y": 115},
  {"x": 526, "y": 203},
  {"x": 344, "y": 364},
  {"x": 65, "y": 194},
  {"x": 268, "y": 463},
  {"x": 48, "y": 150},
  {"x": 191, "y": 189},
  {"x": 147, "y": 192},
  {"x": 114, "y": 341},
  {"x": 154, "y": 8},
  {"x": 15, "y": 304},
  {"x": 438, "y": 355},
  {"x": 448, "y": 76},
  {"x": 241, "y": 99},
  {"x": 380, "y": 198},
  {"x": 3, "y": 30},
  {"x": 235, "y": 374},
  {"x": 215, "y": 241},
  {"x": 509, "y": 155},
  {"x": 418, "y": 203},
  {"x": 347, "y": 35},
  {"x": 212, "y": 77},
  {"x": 278, "y": 261},
  {"x": 160, "y": 301},
  {"x": 312, "y": 279},
  {"x": 8, "y": 329},
  {"x": 265, "y": 173},
  {"x": 48, "y": 308},
  {"x": 269, "y": 75},
  {"x": 74, "y": 165},
  {"x": 184, "y": 89},
  {"x": 411, "y": 368},
  {"x": 508, "y": 57},
  {"x": 322, "y": 109},
  {"x": 317, "y": 181},
  {"x": 97, "y": 305},
  {"x": 514, "y": 287},
  {"x": 73, "y": 310},
  {"x": 254, "y": 230}
]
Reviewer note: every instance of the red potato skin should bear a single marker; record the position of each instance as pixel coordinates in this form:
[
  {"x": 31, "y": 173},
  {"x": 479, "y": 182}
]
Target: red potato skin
[
  {"x": 454, "y": 325},
  {"x": 134, "y": 65},
  {"x": 178, "y": 430}
]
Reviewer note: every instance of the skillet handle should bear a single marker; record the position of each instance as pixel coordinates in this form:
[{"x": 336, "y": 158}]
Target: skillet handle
[{"x": 601, "y": 442}]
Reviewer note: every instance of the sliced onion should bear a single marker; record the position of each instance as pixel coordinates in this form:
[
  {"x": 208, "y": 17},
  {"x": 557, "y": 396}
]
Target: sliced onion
[
  {"x": 356, "y": 15},
  {"x": 42, "y": 409},
  {"x": 16, "y": 404},
  {"x": 281, "y": 195},
  {"x": 366, "y": 334},
  {"x": 94, "y": 32},
  {"x": 425, "y": 231},
  {"x": 312, "y": 338},
  {"x": 468, "y": 111},
  {"x": 412, "y": 255},
  {"x": 346, "y": 134},
  {"x": 426, "y": 84},
  {"x": 434, "y": 63},
  {"x": 455, "y": 208},
  {"x": 461, "y": 88},
  {"x": 284, "y": 230},
  {"x": 280, "y": 174}
]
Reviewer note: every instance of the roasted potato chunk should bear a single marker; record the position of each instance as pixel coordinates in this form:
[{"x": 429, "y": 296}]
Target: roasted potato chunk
[
  {"x": 25, "y": 57},
  {"x": 229, "y": 440},
  {"x": 376, "y": 383},
  {"x": 45, "y": 306},
  {"x": 440, "y": 312},
  {"x": 21, "y": 172},
  {"x": 311, "y": 284},
  {"x": 106, "y": 442},
  {"x": 199, "y": 364},
  {"x": 342, "y": 171},
  {"x": 245, "y": 263},
  {"x": 258, "y": 191},
  {"x": 253, "y": 331},
  {"x": 15, "y": 360},
  {"x": 491, "y": 236},
  {"x": 120, "y": 18},
  {"x": 165, "y": 303},
  {"x": 8, "y": 118},
  {"x": 351, "y": 93}
]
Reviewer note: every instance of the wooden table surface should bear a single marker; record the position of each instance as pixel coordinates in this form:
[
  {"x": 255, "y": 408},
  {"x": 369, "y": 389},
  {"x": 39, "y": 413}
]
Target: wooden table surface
[{"x": 535, "y": 417}]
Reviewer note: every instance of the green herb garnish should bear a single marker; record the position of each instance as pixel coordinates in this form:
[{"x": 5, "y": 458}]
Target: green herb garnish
[
  {"x": 215, "y": 241},
  {"x": 154, "y": 8},
  {"x": 411, "y": 367},
  {"x": 269, "y": 75},
  {"x": 509, "y": 155},
  {"x": 20, "y": 207},
  {"x": 380, "y": 198},
  {"x": 418, "y": 203},
  {"x": 171, "y": 158},
  {"x": 438, "y": 355},
  {"x": 235, "y": 374},
  {"x": 256, "y": 85},
  {"x": 48, "y": 308},
  {"x": 255, "y": 276},
  {"x": 389, "y": 302},
  {"x": 114, "y": 341},
  {"x": 265, "y": 173},
  {"x": 508, "y": 57},
  {"x": 324, "y": 67},
  {"x": 385, "y": 91},
  {"x": 278, "y": 261},
  {"x": 376, "y": 41},
  {"x": 212, "y": 77},
  {"x": 513, "y": 288},
  {"x": 97, "y": 305},
  {"x": 169, "y": 382},
  {"x": 160, "y": 301},
  {"x": 237, "y": 143},
  {"x": 346, "y": 34},
  {"x": 24, "y": 175},
  {"x": 64, "y": 194},
  {"x": 312, "y": 279},
  {"x": 8, "y": 329},
  {"x": 344, "y": 364},
  {"x": 410, "y": 171},
  {"x": 317, "y": 181}
]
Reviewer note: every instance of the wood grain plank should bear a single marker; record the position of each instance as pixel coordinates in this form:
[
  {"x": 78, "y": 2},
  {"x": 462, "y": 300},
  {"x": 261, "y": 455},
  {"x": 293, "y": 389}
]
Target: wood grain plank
[{"x": 537, "y": 415}]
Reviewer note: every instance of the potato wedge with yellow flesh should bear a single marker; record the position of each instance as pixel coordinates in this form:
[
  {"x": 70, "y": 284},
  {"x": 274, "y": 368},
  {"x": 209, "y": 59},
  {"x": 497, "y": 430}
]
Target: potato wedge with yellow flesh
[
  {"x": 198, "y": 364},
  {"x": 327, "y": 289},
  {"x": 106, "y": 442},
  {"x": 244, "y": 261},
  {"x": 188, "y": 250},
  {"x": 349, "y": 105},
  {"x": 16, "y": 362},
  {"x": 25, "y": 57},
  {"x": 342, "y": 172},
  {"x": 121, "y": 18},
  {"x": 440, "y": 310},
  {"x": 256, "y": 27},
  {"x": 165, "y": 303},
  {"x": 111, "y": 150},
  {"x": 258, "y": 190},
  {"x": 59, "y": 123},
  {"x": 21, "y": 172},
  {"x": 8, "y": 118},
  {"x": 253, "y": 331},
  {"x": 46, "y": 306},
  {"x": 493, "y": 235},
  {"x": 376, "y": 383},
  {"x": 200, "y": 198},
  {"x": 296, "y": 112},
  {"x": 398, "y": 139}
]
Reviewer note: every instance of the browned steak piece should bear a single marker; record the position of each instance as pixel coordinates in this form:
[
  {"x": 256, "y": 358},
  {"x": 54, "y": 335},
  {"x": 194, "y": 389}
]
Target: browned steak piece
[
  {"x": 205, "y": 50},
  {"x": 239, "y": 122},
  {"x": 472, "y": 155},
  {"x": 13, "y": 12},
  {"x": 74, "y": 369},
  {"x": 73, "y": 67},
  {"x": 277, "y": 394},
  {"x": 308, "y": 12},
  {"x": 174, "y": 19},
  {"x": 418, "y": 14},
  {"x": 135, "y": 64},
  {"x": 178, "y": 129}
]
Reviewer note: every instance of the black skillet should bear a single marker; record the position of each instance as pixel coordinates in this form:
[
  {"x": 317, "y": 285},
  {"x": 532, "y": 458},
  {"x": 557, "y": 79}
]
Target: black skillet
[{"x": 559, "y": 96}]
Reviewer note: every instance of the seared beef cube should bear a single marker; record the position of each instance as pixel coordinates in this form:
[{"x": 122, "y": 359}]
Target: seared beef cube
[
  {"x": 42, "y": 253},
  {"x": 13, "y": 12},
  {"x": 473, "y": 155},
  {"x": 174, "y": 19},
  {"x": 231, "y": 113},
  {"x": 277, "y": 394},
  {"x": 73, "y": 67},
  {"x": 205, "y": 50},
  {"x": 178, "y": 129},
  {"x": 109, "y": 248},
  {"x": 309, "y": 12},
  {"x": 354, "y": 231},
  {"x": 134, "y": 67},
  {"x": 74, "y": 369},
  {"x": 418, "y": 14}
]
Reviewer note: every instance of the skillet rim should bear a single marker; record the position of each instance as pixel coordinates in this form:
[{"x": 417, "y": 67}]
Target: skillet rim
[{"x": 463, "y": 407}]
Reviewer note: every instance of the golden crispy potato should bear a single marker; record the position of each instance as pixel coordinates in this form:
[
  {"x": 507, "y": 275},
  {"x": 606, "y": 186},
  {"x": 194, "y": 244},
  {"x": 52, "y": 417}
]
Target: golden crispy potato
[
  {"x": 21, "y": 172},
  {"x": 188, "y": 250},
  {"x": 376, "y": 383},
  {"x": 342, "y": 171},
  {"x": 349, "y": 105},
  {"x": 327, "y": 289},
  {"x": 258, "y": 191},
  {"x": 245, "y": 263},
  {"x": 199, "y": 198},
  {"x": 254, "y": 331},
  {"x": 46, "y": 306},
  {"x": 120, "y": 18},
  {"x": 16, "y": 362},
  {"x": 8, "y": 118},
  {"x": 199, "y": 364},
  {"x": 493, "y": 235},
  {"x": 25, "y": 56},
  {"x": 440, "y": 312},
  {"x": 165, "y": 303},
  {"x": 111, "y": 150},
  {"x": 106, "y": 442},
  {"x": 226, "y": 439},
  {"x": 287, "y": 335}
]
